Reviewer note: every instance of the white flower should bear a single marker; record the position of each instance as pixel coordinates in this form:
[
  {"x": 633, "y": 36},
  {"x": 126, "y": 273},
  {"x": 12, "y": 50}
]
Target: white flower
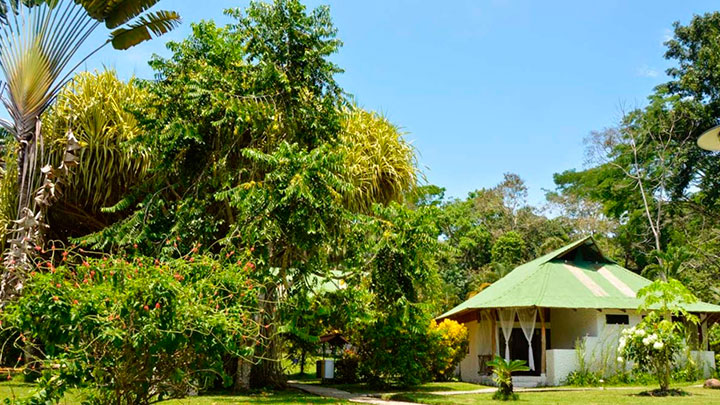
[
  {"x": 620, "y": 359},
  {"x": 646, "y": 341},
  {"x": 640, "y": 332},
  {"x": 658, "y": 345},
  {"x": 653, "y": 337},
  {"x": 623, "y": 341}
]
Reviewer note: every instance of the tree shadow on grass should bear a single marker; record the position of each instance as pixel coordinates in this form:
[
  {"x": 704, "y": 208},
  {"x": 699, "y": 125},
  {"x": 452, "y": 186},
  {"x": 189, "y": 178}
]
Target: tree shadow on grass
[{"x": 269, "y": 397}]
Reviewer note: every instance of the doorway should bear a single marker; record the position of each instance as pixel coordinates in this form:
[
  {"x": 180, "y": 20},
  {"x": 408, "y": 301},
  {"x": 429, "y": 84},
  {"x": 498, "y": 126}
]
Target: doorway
[{"x": 519, "y": 348}]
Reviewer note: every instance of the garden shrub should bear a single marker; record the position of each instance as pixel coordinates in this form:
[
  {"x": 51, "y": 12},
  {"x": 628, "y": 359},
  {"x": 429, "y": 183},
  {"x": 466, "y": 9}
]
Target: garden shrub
[
  {"x": 449, "y": 347},
  {"x": 134, "y": 331},
  {"x": 346, "y": 368},
  {"x": 395, "y": 349},
  {"x": 652, "y": 345},
  {"x": 585, "y": 378}
]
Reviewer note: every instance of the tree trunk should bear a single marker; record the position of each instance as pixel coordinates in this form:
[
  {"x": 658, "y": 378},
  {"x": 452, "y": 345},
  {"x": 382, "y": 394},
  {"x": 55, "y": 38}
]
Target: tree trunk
[
  {"x": 302, "y": 362},
  {"x": 242, "y": 375},
  {"x": 267, "y": 373},
  {"x": 27, "y": 160}
]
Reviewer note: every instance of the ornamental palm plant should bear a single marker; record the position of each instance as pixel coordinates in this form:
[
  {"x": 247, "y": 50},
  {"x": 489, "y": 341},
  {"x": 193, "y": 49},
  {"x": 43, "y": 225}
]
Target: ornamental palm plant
[
  {"x": 39, "y": 40},
  {"x": 503, "y": 370}
]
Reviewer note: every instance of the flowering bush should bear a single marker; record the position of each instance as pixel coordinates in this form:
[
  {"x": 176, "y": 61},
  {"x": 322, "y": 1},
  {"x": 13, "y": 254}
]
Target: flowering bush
[
  {"x": 135, "y": 330},
  {"x": 652, "y": 345},
  {"x": 451, "y": 345}
]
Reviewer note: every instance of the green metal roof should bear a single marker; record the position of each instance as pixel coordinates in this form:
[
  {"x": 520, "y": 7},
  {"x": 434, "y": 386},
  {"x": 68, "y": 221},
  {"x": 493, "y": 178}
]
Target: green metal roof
[{"x": 575, "y": 276}]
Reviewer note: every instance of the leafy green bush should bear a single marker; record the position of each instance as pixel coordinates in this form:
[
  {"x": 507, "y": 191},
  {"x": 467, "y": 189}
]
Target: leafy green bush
[
  {"x": 135, "y": 331},
  {"x": 396, "y": 349},
  {"x": 584, "y": 378}
]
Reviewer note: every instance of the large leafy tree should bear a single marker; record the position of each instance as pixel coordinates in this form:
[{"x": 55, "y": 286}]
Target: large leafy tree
[
  {"x": 255, "y": 148},
  {"x": 485, "y": 235},
  {"x": 649, "y": 176}
]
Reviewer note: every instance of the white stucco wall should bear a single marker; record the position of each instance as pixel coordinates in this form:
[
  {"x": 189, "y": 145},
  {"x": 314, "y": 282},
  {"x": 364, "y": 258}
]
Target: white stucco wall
[
  {"x": 480, "y": 342},
  {"x": 568, "y": 325},
  {"x": 560, "y": 363},
  {"x": 703, "y": 359}
]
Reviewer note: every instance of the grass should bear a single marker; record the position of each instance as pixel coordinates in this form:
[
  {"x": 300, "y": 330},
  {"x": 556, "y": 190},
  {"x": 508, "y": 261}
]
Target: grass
[
  {"x": 14, "y": 389},
  {"x": 428, "y": 387},
  {"x": 279, "y": 397},
  {"x": 595, "y": 397}
]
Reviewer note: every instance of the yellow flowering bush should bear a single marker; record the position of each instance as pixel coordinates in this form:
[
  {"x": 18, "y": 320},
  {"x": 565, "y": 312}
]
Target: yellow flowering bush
[{"x": 451, "y": 346}]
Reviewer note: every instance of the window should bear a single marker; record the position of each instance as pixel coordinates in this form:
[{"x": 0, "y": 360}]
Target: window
[{"x": 617, "y": 319}]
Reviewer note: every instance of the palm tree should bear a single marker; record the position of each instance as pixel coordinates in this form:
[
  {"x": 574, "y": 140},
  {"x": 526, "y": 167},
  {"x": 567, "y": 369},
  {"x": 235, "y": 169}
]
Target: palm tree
[
  {"x": 39, "y": 40},
  {"x": 503, "y": 370},
  {"x": 670, "y": 263}
]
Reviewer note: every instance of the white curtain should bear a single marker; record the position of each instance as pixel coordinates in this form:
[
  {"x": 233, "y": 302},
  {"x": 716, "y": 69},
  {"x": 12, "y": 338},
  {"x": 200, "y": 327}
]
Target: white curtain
[
  {"x": 484, "y": 339},
  {"x": 507, "y": 319},
  {"x": 527, "y": 323}
]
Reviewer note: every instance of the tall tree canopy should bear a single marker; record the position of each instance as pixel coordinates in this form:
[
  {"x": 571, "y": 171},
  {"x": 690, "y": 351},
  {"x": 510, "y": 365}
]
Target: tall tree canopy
[{"x": 648, "y": 175}]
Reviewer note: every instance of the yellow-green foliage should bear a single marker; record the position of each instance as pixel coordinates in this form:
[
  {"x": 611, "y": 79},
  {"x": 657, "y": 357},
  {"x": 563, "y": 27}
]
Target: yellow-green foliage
[
  {"x": 95, "y": 106},
  {"x": 8, "y": 191},
  {"x": 451, "y": 346},
  {"x": 380, "y": 162}
]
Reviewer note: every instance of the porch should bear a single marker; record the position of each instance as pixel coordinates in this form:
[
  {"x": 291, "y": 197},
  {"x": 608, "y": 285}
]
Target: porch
[{"x": 562, "y": 340}]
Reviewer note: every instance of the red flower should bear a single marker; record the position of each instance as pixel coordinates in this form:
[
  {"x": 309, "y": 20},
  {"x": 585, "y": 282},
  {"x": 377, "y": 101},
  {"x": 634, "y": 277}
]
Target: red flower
[
  {"x": 145, "y": 307},
  {"x": 55, "y": 298},
  {"x": 92, "y": 273},
  {"x": 38, "y": 248},
  {"x": 252, "y": 249},
  {"x": 192, "y": 259},
  {"x": 85, "y": 264},
  {"x": 157, "y": 305},
  {"x": 58, "y": 285},
  {"x": 135, "y": 245},
  {"x": 75, "y": 302}
]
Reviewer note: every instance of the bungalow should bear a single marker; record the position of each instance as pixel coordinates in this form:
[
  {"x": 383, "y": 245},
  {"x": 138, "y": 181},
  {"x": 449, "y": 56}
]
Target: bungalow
[{"x": 558, "y": 310}]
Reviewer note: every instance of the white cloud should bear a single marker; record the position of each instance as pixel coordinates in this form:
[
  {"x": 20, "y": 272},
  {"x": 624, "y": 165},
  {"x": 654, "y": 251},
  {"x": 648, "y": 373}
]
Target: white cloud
[
  {"x": 667, "y": 35},
  {"x": 647, "y": 71}
]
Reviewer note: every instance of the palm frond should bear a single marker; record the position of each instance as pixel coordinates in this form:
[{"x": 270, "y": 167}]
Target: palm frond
[
  {"x": 157, "y": 23},
  {"x": 119, "y": 12},
  {"x": 380, "y": 164}
]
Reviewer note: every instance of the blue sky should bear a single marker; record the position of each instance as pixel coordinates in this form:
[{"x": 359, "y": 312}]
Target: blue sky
[{"x": 482, "y": 87}]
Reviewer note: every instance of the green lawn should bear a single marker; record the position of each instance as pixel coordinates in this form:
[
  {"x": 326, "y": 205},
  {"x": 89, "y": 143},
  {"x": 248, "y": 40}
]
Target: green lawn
[
  {"x": 428, "y": 387},
  {"x": 18, "y": 389},
  {"x": 605, "y": 397}
]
